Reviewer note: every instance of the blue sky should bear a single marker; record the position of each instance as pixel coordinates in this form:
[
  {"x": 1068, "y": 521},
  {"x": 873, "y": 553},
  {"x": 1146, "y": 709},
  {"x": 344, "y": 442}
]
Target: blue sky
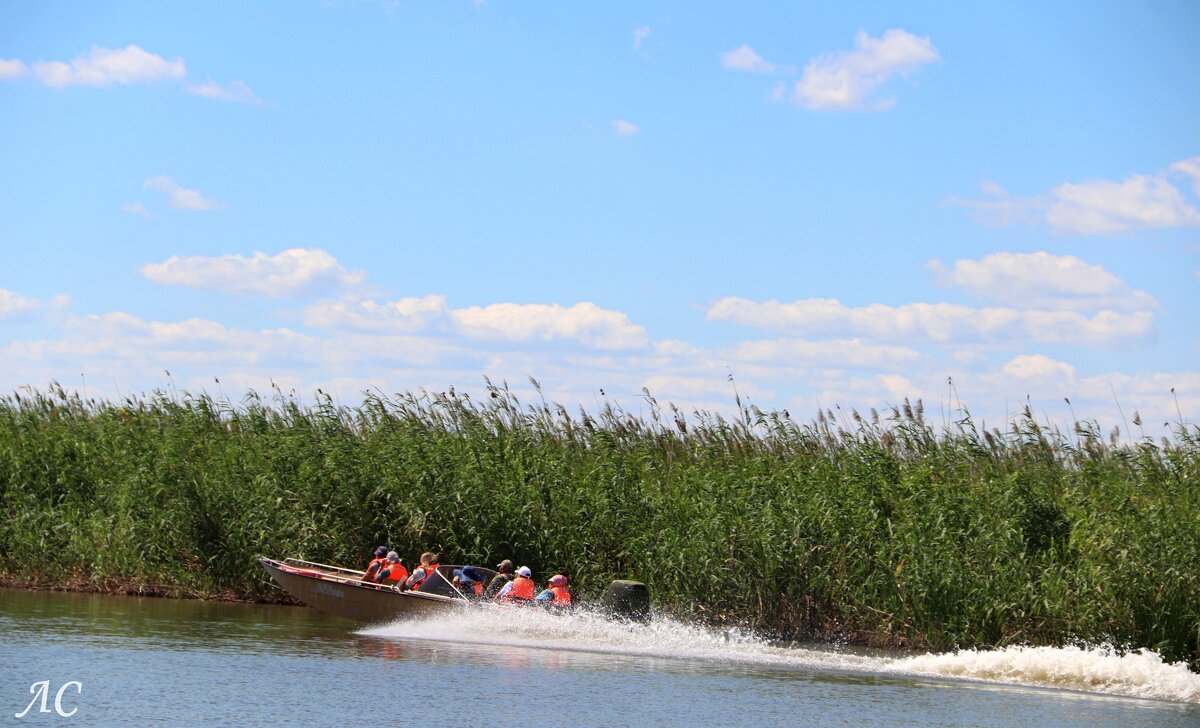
[{"x": 843, "y": 205}]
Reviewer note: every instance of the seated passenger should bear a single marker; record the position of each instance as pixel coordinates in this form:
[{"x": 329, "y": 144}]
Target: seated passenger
[
  {"x": 429, "y": 564},
  {"x": 504, "y": 574},
  {"x": 556, "y": 596},
  {"x": 468, "y": 581},
  {"x": 393, "y": 572},
  {"x": 520, "y": 590},
  {"x": 376, "y": 563}
]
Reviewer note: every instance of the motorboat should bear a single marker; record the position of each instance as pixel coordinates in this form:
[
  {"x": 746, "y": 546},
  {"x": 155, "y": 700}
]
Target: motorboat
[{"x": 343, "y": 592}]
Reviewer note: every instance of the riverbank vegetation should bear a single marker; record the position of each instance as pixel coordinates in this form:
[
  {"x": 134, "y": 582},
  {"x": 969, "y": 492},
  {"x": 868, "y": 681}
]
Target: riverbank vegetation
[{"x": 876, "y": 525}]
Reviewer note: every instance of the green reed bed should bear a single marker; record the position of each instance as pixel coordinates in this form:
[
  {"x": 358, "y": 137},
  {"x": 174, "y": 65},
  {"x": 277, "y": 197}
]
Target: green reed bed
[{"x": 884, "y": 528}]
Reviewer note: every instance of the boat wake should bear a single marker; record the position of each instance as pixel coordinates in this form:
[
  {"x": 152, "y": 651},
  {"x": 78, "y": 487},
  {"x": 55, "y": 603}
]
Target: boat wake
[{"x": 1101, "y": 669}]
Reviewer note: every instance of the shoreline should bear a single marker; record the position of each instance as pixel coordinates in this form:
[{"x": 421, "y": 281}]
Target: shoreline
[{"x": 79, "y": 584}]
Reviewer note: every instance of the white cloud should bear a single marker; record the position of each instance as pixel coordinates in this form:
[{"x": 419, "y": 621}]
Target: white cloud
[
  {"x": 1096, "y": 207},
  {"x": 181, "y": 197},
  {"x": 640, "y": 34},
  {"x": 14, "y": 306},
  {"x": 744, "y": 58},
  {"x": 136, "y": 208},
  {"x": 294, "y": 272},
  {"x": 1104, "y": 206},
  {"x": 409, "y": 314},
  {"x": 233, "y": 91},
  {"x": 12, "y": 68},
  {"x": 840, "y": 353},
  {"x": 1190, "y": 168},
  {"x": 940, "y": 323},
  {"x": 584, "y": 322},
  {"x": 998, "y": 208},
  {"x": 107, "y": 66},
  {"x": 848, "y": 79},
  {"x": 1037, "y": 366},
  {"x": 625, "y": 128},
  {"x": 1042, "y": 280},
  {"x": 128, "y": 66}
]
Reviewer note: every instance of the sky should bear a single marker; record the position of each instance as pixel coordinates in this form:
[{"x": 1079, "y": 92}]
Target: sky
[{"x": 807, "y": 207}]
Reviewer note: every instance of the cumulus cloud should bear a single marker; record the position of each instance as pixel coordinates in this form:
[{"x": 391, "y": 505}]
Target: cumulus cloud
[
  {"x": 237, "y": 91},
  {"x": 584, "y": 322},
  {"x": 625, "y": 128},
  {"x": 1041, "y": 280},
  {"x": 941, "y": 323},
  {"x": 848, "y": 80},
  {"x": 14, "y": 306},
  {"x": 12, "y": 68},
  {"x": 181, "y": 197},
  {"x": 128, "y": 66},
  {"x": 1104, "y": 206},
  {"x": 106, "y": 66},
  {"x": 744, "y": 58},
  {"x": 1189, "y": 168},
  {"x": 293, "y": 273},
  {"x": 836, "y": 353},
  {"x": 1097, "y": 207},
  {"x": 409, "y": 314}
]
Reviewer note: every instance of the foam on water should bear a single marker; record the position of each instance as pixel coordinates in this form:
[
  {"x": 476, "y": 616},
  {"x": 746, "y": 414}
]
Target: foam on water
[{"x": 1141, "y": 674}]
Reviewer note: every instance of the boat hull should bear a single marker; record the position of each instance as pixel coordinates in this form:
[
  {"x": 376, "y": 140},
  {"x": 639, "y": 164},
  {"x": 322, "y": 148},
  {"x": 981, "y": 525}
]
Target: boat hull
[{"x": 359, "y": 601}]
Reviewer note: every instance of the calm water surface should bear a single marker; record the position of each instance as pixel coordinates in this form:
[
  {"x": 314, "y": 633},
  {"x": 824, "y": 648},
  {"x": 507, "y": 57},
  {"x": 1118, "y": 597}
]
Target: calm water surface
[{"x": 170, "y": 662}]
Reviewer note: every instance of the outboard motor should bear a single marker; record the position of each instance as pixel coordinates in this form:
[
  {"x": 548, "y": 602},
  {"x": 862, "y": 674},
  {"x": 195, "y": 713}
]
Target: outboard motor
[{"x": 626, "y": 599}]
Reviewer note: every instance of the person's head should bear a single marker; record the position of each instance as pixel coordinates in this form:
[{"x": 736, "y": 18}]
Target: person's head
[
  {"x": 381, "y": 552},
  {"x": 428, "y": 558},
  {"x": 393, "y": 557},
  {"x": 558, "y": 580},
  {"x": 525, "y": 571},
  {"x": 505, "y": 567}
]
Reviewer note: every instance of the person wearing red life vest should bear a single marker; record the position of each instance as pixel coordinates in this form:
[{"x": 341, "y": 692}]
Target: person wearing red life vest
[
  {"x": 392, "y": 572},
  {"x": 429, "y": 565},
  {"x": 556, "y": 596},
  {"x": 520, "y": 590},
  {"x": 376, "y": 564}
]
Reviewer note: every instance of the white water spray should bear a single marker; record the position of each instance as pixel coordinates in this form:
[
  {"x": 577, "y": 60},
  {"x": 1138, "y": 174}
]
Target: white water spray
[{"x": 1103, "y": 670}]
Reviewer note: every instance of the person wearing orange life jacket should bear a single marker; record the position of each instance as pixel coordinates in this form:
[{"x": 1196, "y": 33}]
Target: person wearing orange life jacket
[
  {"x": 376, "y": 564},
  {"x": 429, "y": 564},
  {"x": 520, "y": 590},
  {"x": 556, "y": 596},
  {"x": 468, "y": 581},
  {"x": 393, "y": 572}
]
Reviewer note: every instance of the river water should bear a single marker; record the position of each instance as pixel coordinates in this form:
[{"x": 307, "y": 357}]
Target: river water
[{"x": 131, "y": 661}]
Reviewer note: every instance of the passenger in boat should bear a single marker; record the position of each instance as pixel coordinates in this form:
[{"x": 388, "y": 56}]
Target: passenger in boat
[
  {"x": 504, "y": 574},
  {"x": 556, "y": 597},
  {"x": 520, "y": 590},
  {"x": 376, "y": 564},
  {"x": 468, "y": 581},
  {"x": 429, "y": 564},
  {"x": 393, "y": 572}
]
